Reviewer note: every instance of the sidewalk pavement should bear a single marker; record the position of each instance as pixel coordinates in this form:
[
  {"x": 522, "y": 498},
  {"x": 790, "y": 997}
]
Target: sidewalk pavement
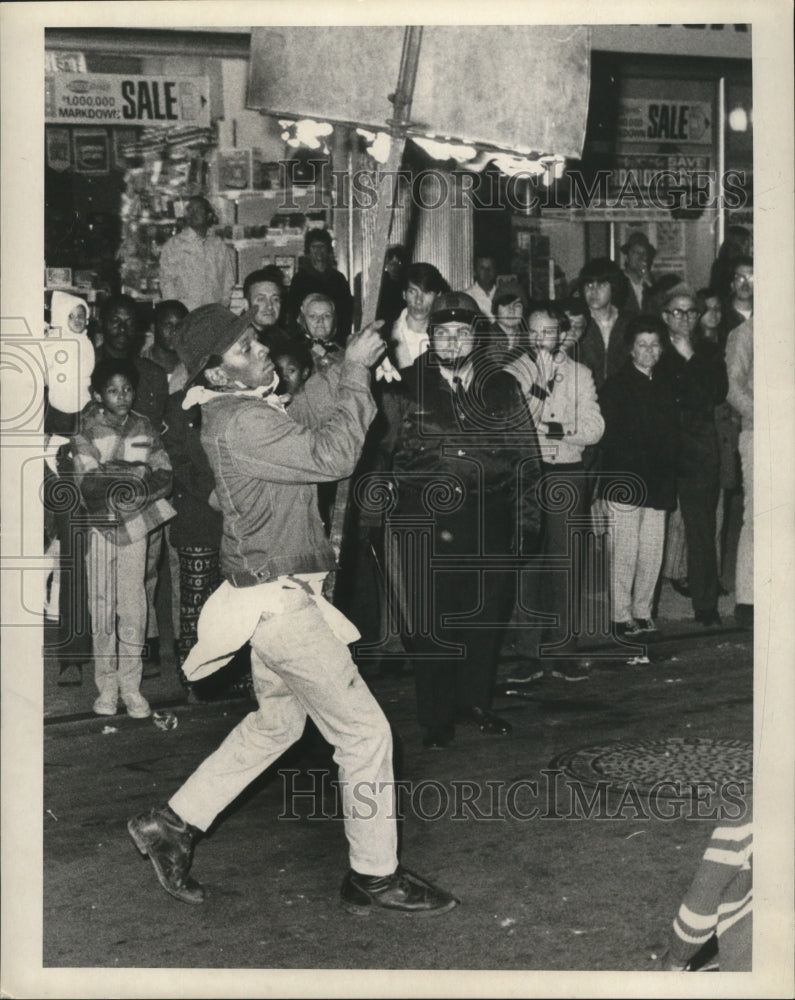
[
  {"x": 675, "y": 616},
  {"x": 551, "y": 875}
]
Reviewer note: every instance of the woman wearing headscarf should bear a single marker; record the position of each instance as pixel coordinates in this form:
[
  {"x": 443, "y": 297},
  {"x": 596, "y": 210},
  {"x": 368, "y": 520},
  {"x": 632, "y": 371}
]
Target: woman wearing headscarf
[{"x": 69, "y": 359}]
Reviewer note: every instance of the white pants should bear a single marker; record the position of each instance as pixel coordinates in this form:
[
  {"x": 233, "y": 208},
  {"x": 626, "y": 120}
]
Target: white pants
[
  {"x": 637, "y": 535},
  {"x": 744, "y": 577},
  {"x": 117, "y": 604},
  {"x": 301, "y": 668}
]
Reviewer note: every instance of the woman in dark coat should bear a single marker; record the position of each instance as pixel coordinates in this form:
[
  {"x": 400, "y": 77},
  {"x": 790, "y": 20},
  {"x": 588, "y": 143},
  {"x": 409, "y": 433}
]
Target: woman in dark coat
[
  {"x": 638, "y": 480},
  {"x": 465, "y": 470}
]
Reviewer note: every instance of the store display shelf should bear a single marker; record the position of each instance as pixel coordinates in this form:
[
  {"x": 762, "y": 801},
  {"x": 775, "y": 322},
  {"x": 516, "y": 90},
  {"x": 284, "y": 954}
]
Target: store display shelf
[
  {"x": 234, "y": 194},
  {"x": 90, "y": 294},
  {"x": 249, "y": 242}
]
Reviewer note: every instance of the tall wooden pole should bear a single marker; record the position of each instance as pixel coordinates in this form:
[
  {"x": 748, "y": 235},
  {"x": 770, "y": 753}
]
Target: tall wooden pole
[{"x": 402, "y": 98}]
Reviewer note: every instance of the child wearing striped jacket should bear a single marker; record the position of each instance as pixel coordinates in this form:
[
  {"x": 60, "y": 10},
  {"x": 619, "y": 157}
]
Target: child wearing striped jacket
[{"x": 124, "y": 475}]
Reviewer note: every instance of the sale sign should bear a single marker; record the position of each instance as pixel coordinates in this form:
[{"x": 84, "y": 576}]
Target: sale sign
[
  {"x": 114, "y": 99},
  {"x": 644, "y": 120}
]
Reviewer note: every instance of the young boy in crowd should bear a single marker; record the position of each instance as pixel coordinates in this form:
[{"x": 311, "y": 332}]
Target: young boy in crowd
[
  {"x": 124, "y": 475},
  {"x": 167, "y": 315},
  {"x": 123, "y": 339},
  {"x": 294, "y": 363}
]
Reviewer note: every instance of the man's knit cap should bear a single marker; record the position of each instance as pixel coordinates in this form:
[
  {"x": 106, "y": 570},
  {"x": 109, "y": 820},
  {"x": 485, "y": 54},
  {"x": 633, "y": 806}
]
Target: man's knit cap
[{"x": 207, "y": 331}]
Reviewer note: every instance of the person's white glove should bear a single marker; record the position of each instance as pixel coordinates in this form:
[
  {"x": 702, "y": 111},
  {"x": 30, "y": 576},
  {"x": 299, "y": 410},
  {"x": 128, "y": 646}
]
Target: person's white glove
[{"x": 386, "y": 372}]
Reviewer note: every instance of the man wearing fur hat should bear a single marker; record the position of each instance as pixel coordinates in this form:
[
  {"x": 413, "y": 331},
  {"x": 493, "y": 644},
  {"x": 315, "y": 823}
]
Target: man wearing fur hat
[
  {"x": 466, "y": 440},
  {"x": 274, "y": 557}
]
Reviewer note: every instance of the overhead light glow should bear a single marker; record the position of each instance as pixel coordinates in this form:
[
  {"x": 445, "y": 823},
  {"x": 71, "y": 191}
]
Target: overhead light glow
[
  {"x": 306, "y": 132},
  {"x": 446, "y": 150},
  {"x": 377, "y": 144},
  {"x": 738, "y": 120}
]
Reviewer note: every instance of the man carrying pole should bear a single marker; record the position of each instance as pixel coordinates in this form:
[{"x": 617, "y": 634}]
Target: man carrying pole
[{"x": 275, "y": 556}]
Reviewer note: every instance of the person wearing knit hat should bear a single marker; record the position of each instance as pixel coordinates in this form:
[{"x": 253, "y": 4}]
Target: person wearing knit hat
[
  {"x": 208, "y": 331},
  {"x": 275, "y": 555}
]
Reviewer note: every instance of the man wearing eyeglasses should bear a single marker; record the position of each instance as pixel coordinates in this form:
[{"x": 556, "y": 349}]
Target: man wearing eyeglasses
[
  {"x": 740, "y": 307},
  {"x": 698, "y": 372},
  {"x": 466, "y": 454}
]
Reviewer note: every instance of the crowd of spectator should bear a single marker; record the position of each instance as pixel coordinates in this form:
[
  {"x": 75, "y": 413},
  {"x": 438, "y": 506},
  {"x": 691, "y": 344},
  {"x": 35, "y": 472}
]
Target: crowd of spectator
[
  {"x": 501, "y": 419},
  {"x": 636, "y": 395}
]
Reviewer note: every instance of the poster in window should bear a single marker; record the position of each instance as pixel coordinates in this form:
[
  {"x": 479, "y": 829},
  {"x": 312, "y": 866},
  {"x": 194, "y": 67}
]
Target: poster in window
[
  {"x": 59, "y": 149},
  {"x": 91, "y": 151},
  {"x": 123, "y": 147},
  {"x": 234, "y": 169}
]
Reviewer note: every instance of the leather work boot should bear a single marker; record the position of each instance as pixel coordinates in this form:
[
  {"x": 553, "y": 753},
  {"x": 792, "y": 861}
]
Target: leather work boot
[
  {"x": 400, "y": 892},
  {"x": 168, "y": 840}
]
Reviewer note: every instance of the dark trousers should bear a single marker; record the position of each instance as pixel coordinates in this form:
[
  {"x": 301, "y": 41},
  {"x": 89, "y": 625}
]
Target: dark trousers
[
  {"x": 449, "y": 687},
  {"x": 74, "y": 630},
  {"x": 698, "y": 500},
  {"x": 547, "y": 588},
  {"x": 67, "y": 522}
]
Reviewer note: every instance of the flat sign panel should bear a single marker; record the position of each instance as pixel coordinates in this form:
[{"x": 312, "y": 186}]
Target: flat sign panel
[
  {"x": 665, "y": 120},
  {"x": 517, "y": 87},
  {"x": 119, "y": 99}
]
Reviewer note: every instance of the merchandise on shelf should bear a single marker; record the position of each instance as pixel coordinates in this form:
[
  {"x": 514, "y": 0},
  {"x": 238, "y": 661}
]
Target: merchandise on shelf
[
  {"x": 261, "y": 221},
  {"x": 152, "y": 207}
]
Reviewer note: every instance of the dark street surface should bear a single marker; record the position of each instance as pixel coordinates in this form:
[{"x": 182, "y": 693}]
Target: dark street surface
[{"x": 543, "y": 886}]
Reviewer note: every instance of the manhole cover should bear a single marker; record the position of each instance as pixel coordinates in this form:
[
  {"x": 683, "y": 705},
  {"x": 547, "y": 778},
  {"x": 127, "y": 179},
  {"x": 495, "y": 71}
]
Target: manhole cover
[{"x": 671, "y": 767}]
